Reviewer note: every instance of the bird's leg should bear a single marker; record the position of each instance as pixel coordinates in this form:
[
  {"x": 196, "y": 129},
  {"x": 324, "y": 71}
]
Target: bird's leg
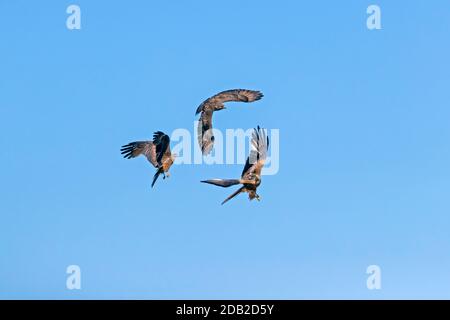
[
  {"x": 258, "y": 197},
  {"x": 168, "y": 175},
  {"x": 164, "y": 175}
]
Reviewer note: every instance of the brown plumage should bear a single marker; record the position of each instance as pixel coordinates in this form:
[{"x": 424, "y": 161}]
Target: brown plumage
[
  {"x": 157, "y": 153},
  {"x": 215, "y": 103},
  {"x": 251, "y": 175}
]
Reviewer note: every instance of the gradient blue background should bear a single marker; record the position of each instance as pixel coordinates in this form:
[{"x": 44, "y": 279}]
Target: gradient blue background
[{"x": 364, "y": 124}]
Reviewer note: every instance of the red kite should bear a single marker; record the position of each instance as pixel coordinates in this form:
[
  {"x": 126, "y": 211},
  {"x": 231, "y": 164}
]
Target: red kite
[
  {"x": 251, "y": 175},
  {"x": 215, "y": 103},
  {"x": 157, "y": 153}
]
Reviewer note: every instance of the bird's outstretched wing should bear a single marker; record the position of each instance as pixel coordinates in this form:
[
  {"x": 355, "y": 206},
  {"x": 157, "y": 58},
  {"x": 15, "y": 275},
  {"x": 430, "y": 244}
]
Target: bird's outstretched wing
[
  {"x": 205, "y": 132},
  {"x": 234, "y": 194},
  {"x": 135, "y": 149},
  {"x": 162, "y": 146},
  {"x": 258, "y": 154},
  {"x": 242, "y": 95},
  {"x": 225, "y": 183}
]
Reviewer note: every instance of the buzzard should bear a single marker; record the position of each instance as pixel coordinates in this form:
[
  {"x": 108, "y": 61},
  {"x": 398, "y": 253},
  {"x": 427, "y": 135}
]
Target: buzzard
[
  {"x": 215, "y": 103},
  {"x": 156, "y": 151},
  {"x": 251, "y": 175}
]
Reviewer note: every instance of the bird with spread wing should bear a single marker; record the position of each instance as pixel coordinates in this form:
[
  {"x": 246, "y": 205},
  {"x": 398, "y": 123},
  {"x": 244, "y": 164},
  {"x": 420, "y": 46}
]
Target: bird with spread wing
[
  {"x": 251, "y": 175},
  {"x": 215, "y": 103},
  {"x": 157, "y": 153}
]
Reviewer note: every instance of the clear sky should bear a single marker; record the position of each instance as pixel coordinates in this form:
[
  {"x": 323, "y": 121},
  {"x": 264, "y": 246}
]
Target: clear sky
[{"x": 364, "y": 173}]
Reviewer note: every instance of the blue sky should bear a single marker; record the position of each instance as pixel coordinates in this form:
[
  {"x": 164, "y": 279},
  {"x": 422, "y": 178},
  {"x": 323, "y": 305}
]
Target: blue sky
[{"x": 364, "y": 150}]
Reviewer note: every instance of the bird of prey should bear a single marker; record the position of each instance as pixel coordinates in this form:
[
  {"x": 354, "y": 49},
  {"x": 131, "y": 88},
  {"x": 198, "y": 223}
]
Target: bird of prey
[
  {"x": 251, "y": 175},
  {"x": 157, "y": 153},
  {"x": 215, "y": 103}
]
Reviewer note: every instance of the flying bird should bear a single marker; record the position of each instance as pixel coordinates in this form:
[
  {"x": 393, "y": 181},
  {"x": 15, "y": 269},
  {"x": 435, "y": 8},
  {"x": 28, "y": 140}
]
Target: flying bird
[
  {"x": 251, "y": 175},
  {"x": 157, "y": 153},
  {"x": 215, "y": 103}
]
